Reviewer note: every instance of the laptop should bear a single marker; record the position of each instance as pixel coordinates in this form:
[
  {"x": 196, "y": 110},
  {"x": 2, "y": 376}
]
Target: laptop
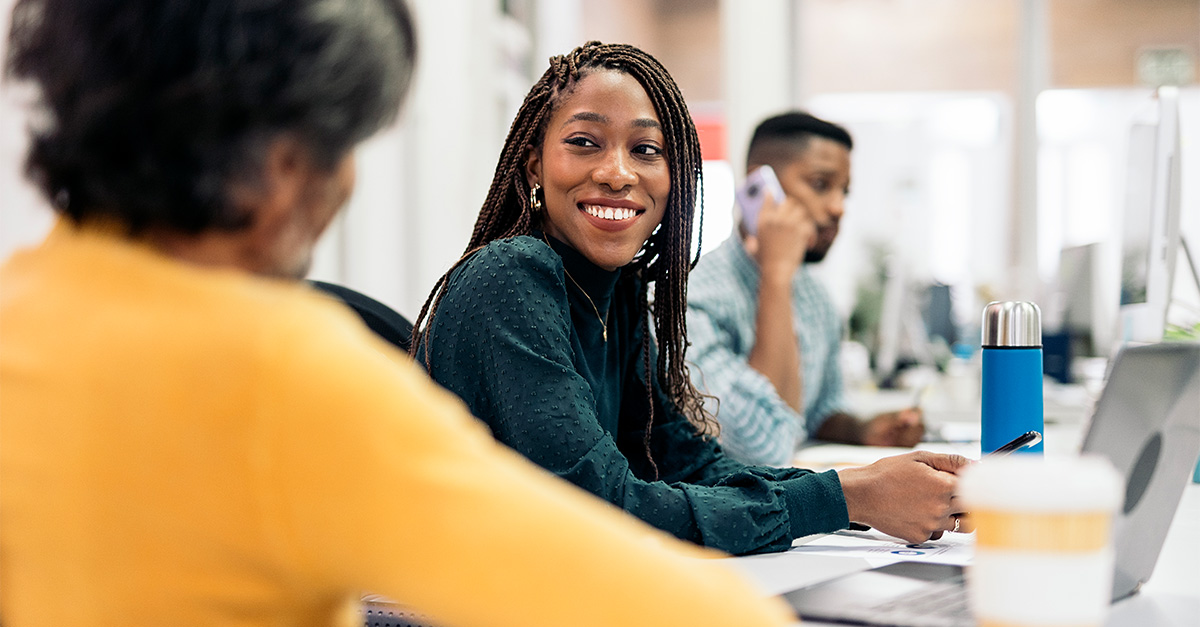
[{"x": 1147, "y": 423}]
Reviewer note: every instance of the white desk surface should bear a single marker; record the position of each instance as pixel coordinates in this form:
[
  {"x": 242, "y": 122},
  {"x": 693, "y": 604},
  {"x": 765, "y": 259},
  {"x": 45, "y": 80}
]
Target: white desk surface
[{"x": 1171, "y": 597}]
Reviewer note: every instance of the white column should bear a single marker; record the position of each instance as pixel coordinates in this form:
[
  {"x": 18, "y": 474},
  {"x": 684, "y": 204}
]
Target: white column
[
  {"x": 452, "y": 145},
  {"x": 756, "y": 53},
  {"x": 25, "y": 215},
  {"x": 558, "y": 29},
  {"x": 370, "y": 231},
  {"x": 1032, "y": 78}
]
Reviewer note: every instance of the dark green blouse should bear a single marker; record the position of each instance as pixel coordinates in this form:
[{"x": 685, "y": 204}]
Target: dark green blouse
[{"x": 520, "y": 343}]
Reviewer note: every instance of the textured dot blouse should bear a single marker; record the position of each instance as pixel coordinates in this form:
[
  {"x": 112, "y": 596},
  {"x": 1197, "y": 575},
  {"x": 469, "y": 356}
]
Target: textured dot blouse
[{"x": 517, "y": 338}]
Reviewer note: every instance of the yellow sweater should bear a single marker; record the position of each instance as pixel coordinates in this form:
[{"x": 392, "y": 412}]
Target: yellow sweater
[{"x": 190, "y": 446}]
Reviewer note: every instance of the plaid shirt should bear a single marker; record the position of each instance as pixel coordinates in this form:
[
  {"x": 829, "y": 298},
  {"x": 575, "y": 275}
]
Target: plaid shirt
[{"x": 757, "y": 426}]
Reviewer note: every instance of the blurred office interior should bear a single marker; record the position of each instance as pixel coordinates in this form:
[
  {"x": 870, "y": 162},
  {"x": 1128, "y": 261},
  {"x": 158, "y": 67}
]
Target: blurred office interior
[{"x": 991, "y": 156}]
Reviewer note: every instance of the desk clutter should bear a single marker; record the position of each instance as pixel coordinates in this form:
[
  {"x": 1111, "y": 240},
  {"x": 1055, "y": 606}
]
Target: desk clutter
[{"x": 1029, "y": 543}]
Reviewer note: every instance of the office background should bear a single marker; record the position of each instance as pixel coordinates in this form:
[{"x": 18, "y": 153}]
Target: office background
[{"x": 990, "y": 134}]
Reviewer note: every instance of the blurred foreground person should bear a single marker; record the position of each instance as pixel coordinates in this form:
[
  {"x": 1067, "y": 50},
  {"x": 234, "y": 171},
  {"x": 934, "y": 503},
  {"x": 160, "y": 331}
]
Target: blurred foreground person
[{"x": 193, "y": 437}]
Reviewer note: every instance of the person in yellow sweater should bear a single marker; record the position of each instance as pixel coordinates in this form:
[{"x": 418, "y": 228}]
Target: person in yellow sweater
[{"x": 191, "y": 436}]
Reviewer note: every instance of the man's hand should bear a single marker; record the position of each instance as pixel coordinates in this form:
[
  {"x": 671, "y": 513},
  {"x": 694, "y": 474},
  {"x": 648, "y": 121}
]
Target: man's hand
[
  {"x": 909, "y": 496},
  {"x": 897, "y": 428},
  {"x": 900, "y": 428},
  {"x": 786, "y": 230}
]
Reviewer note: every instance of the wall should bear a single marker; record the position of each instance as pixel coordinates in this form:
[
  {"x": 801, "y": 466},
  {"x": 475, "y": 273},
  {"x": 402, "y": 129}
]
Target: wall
[
  {"x": 421, "y": 184},
  {"x": 944, "y": 54},
  {"x": 634, "y": 22},
  {"x": 911, "y": 45},
  {"x": 689, "y": 46},
  {"x": 684, "y": 35},
  {"x": 1096, "y": 41},
  {"x": 889, "y": 45}
]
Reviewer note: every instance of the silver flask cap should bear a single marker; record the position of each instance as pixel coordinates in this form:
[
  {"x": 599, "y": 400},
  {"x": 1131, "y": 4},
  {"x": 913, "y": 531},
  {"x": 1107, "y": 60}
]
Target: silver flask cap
[{"x": 1012, "y": 324}]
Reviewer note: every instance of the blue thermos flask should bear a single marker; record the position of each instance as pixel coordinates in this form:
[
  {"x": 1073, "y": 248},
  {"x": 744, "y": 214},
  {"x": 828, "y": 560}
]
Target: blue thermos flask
[{"x": 1012, "y": 374}]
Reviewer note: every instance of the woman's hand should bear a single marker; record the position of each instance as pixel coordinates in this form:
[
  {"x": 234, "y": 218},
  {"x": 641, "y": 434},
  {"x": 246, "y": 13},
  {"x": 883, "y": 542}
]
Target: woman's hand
[{"x": 908, "y": 496}]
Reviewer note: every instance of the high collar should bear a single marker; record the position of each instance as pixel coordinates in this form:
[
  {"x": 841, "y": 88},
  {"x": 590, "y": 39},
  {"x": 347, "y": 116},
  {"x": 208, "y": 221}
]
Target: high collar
[{"x": 595, "y": 281}]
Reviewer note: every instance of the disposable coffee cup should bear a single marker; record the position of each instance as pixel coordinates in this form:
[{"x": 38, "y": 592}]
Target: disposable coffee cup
[{"x": 1043, "y": 546}]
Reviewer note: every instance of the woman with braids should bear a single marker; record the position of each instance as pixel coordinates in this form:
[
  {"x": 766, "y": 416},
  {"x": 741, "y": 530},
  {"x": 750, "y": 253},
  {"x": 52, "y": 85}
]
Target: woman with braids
[{"x": 542, "y": 325}]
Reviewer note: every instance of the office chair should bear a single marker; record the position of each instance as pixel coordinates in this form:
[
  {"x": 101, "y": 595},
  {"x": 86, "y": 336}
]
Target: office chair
[{"x": 380, "y": 318}]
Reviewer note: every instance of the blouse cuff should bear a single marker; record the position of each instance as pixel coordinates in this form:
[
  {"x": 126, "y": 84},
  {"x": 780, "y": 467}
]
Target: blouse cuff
[{"x": 815, "y": 504}]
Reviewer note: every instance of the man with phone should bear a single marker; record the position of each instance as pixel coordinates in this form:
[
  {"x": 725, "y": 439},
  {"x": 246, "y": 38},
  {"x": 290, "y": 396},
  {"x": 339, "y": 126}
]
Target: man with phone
[{"x": 764, "y": 333}]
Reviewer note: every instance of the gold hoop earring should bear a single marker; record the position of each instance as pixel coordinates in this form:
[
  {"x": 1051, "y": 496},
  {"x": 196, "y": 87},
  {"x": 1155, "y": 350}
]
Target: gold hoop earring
[{"x": 534, "y": 204}]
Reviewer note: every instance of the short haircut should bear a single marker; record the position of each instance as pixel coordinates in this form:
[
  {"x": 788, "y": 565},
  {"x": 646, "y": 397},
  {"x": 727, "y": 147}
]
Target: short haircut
[
  {"x": 780, "y": 139},
  {"x": 149, "y": 110}
]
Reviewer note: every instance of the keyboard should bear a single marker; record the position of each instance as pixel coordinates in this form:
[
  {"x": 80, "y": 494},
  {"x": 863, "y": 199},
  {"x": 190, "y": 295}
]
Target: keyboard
[
  {"x": 930, "y": 598},
  {"x": 940, "y": 604}
]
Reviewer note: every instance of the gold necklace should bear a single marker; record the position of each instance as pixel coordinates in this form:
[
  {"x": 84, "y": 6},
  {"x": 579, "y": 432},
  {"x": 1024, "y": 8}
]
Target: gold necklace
[{"x": 603, "y": 319}]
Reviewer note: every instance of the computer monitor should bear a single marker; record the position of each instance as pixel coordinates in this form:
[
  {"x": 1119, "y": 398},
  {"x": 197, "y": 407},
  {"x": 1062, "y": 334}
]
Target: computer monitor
[
  {"x": 1083, "y": 305},
  {"x": 1150, "y": 234}
]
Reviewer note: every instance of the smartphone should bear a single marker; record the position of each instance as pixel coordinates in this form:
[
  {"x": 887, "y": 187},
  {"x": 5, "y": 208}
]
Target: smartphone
[
  {"x": 1029, "y": 438},
  {"x": 750, "y": 195}
]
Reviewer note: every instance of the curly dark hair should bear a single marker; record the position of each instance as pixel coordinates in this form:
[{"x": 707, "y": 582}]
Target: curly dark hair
[
  {"x": 664, "y": 260},
  {"x": 150, "y": 109}
]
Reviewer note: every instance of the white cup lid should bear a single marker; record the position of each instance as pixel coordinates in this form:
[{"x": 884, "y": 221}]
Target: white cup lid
[{"x": 1035, "y": 484}]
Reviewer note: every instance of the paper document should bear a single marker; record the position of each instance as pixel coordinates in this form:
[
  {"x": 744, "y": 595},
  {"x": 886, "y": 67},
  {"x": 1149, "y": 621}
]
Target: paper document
[
  {"x": 840, "y": 456},
  {"x": 776, "y": 573},
  {"x": 879, "y": 549}
]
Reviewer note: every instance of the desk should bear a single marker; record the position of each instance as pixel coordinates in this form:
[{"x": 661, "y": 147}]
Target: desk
[{"x": 1171, "y": 598}]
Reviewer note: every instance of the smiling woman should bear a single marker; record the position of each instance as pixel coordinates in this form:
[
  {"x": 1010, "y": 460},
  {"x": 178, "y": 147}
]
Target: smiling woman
[
  {"x": 543, "y": 326},
  {"x": 603, "y": 169},
  {"x": 513, "y": 206}
]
